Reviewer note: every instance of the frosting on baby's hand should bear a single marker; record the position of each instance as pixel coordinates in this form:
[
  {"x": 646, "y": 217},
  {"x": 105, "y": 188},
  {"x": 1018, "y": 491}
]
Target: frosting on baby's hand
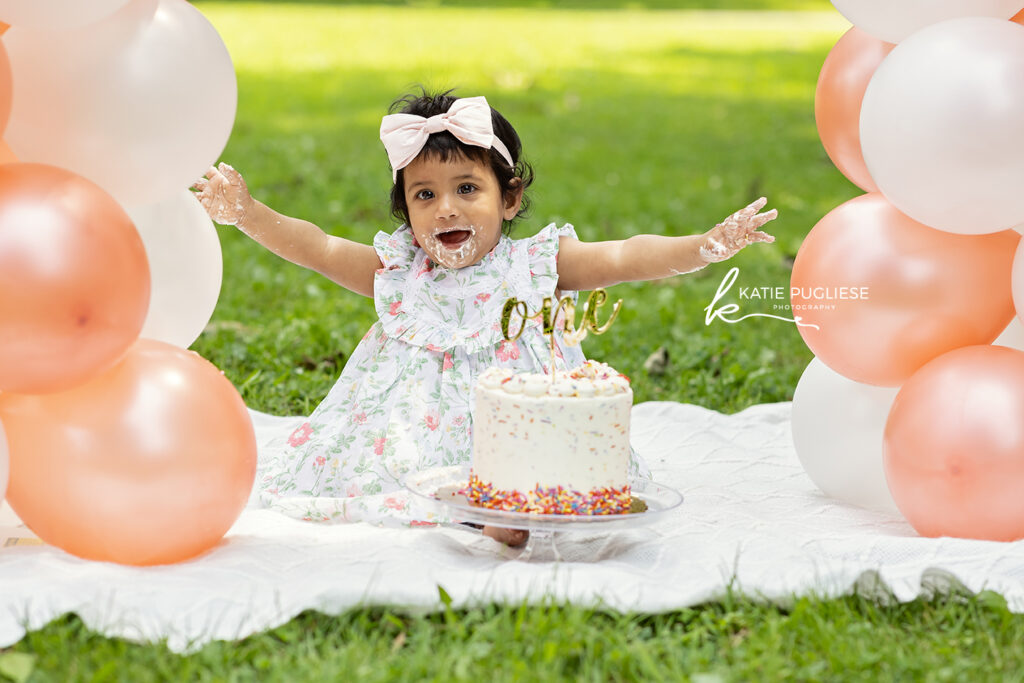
[
  {"x": 224, "y": 195},
  {"x": 737, "y": 231}
]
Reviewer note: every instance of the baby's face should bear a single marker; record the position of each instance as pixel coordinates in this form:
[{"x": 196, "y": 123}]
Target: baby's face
[{"x": 455, "y": 209}]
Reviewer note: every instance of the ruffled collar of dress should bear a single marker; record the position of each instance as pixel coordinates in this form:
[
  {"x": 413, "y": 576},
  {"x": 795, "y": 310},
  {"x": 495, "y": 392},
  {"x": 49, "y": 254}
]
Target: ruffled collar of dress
[{"x": 437, "y": 307}]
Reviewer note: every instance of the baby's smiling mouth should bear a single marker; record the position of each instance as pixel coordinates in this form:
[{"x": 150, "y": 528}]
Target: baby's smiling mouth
[{"x": 454, "y": 237}]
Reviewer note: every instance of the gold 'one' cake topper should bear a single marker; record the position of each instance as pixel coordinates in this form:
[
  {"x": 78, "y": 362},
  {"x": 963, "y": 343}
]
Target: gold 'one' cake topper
[{"x": 549, "y": 319}]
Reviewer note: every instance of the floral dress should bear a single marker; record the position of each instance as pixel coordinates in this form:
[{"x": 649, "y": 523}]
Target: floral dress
[{"x": 403, "y": 401}]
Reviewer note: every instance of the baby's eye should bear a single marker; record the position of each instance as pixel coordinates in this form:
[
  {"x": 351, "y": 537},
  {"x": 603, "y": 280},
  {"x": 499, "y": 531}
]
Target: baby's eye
[
  {"x": 424, "y": 194},
  {"x": 466, "y": 188}
]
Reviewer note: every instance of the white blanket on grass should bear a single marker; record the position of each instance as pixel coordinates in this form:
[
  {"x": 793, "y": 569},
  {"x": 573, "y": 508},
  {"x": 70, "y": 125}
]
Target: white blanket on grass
[{"x": 751, "y": 522}]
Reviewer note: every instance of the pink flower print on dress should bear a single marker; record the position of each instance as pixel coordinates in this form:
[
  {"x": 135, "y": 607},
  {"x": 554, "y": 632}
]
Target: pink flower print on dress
[
  {"x": 378, "y": 445},
  {"x": 431, "y": 347},
  {"x": 320, "y": 461},
  {"x": 352, "y": 491},
  {"x": 415, "y": 244},
  {"x": 447, "y": 364},
  {"x": 396, "y": 308},
  {"x": 532, "y": 251},
  {"x": 431, "y": 420},
  {"x": 458, "y": 420},
  {"x": 417, "y": 522},
  {"x": 359, "y": 418},
  {"x": 300, "y": 435},
  {"x": 482, "y": 298},
  {"x": 508, "y": 350},
  {"x": 428, "y": 266},
  {"x": 394, "y": 503}
]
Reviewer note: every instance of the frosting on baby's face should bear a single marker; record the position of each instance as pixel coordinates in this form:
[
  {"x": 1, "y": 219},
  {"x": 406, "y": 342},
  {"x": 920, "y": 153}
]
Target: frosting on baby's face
[{"x": 455, "y": 209}]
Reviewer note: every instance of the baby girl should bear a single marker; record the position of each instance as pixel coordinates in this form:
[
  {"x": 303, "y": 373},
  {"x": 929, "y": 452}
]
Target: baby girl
[{"x": 438, "y": 282}]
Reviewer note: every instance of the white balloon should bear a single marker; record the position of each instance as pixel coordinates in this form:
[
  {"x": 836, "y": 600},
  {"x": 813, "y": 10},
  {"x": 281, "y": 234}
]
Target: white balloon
[
  {"x": 185, "y": 267},
  {"x": 894, "y": 20},
  {"x": 1012, "y": 336},
  {"x": 141, "y": 102},
  {"x": 55, "y": 15},
  {"x": 940, "y": 126},
  {"x": 838, "y": 425}
]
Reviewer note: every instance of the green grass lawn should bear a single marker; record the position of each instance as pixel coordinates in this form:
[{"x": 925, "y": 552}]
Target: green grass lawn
[
  {"x": 636, "y": 120},
  {"x": 959, "y": 638}
]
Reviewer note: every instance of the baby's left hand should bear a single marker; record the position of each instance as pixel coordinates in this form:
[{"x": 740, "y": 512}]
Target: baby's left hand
[{"x": 736, "y": 232}]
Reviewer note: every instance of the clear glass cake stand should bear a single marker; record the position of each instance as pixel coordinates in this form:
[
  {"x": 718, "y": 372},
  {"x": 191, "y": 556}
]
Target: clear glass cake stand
[{"x": 439, "y": 488}]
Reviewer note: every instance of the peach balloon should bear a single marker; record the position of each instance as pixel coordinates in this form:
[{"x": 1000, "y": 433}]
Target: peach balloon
[
  {"x": 841, "y": 84},
  {"x": 954, "y": 445},
  {"x": 888, "y": 294},
  {"x": 1017, "y": 281},
  {"x": 149, "y": 463},
  {"x": 74, "y": 280},
  {"x": 4, "y": 463},
  {"x": 5, "y": 87},
  {"x": 6, "y": 155}
]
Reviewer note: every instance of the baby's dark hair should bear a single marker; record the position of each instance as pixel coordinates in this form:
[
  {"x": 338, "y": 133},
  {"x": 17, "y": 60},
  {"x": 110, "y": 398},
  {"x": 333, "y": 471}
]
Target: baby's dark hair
[{"x": 445, "y": 146}]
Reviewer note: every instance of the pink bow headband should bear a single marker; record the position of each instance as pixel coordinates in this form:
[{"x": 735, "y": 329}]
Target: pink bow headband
[{"x": 468, "y": 119}]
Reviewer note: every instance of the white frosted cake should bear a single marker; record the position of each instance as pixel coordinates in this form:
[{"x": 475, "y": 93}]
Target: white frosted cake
[{"x": 552, "y": 447}]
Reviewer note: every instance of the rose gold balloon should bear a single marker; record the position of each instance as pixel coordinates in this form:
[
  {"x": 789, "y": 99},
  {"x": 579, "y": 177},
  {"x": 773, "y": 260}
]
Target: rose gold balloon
[
  {"x": 5, "y": 87},
  {"x": 911, "y": 292},
  {"x": 74, "y": 279},
  {"x": 954, "y": 445},
  {"x": 841, "y": 84},
  {"x": 149, "y": 463},
  {"x": 6, "y": 155}
]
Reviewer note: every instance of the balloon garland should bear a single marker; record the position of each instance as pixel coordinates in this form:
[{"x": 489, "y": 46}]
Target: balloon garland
[
  {"x": 116, "y": 443},
  {"x": 907, "y": 371}
]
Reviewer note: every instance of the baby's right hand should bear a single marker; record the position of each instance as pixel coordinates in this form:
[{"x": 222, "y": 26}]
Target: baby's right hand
[{"x": 224, "y": 195}]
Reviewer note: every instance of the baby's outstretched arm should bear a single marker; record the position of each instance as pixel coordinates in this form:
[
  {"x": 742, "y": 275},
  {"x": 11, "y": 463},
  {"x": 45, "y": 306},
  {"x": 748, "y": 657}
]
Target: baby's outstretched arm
[
  {"x": 589, "y": 265},
  {"x": 225, "y": 196}
]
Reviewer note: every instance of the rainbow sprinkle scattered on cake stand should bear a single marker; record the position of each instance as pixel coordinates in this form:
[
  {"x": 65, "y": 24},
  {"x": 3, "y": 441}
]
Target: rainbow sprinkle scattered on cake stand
[{"x": 442, "y": 488}]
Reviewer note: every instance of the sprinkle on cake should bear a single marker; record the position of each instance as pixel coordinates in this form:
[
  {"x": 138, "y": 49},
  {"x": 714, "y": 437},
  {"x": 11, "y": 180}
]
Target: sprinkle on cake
[{"x": 552, "y": 445}]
